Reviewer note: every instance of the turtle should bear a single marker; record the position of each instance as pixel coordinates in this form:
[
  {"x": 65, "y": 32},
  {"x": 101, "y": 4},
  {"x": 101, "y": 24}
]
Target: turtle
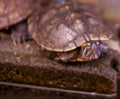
[
  {"x": 12, "y": 16},
  {"x": 73, "y": 31}
]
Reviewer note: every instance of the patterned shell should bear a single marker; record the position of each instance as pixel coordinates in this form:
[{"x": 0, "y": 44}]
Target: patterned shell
[
  {"x": 13, "y": 11},
  {"x": 65, "y": 26}
]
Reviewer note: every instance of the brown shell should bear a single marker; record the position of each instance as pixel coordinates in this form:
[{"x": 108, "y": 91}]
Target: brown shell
[
  {"x": 65, "y": 26},
  {"x": 13, "y": 11}
]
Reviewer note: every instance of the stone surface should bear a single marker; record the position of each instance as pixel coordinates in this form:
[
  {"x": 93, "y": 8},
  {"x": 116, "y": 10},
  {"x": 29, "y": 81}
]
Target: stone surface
[
  {"x": 28, "y": 64},
  {"x": 47, "y": 93}
]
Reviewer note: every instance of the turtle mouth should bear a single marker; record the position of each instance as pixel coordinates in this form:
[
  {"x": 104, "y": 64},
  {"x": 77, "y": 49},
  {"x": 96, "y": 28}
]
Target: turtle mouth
[{"x": 92, "y": 50}]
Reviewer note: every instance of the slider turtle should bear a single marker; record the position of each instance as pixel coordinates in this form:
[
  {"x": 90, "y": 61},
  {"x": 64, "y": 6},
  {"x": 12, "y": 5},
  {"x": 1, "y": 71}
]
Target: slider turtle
[
  {"x": 13, "y": 14},
  {"x": 71, "y": 30}
]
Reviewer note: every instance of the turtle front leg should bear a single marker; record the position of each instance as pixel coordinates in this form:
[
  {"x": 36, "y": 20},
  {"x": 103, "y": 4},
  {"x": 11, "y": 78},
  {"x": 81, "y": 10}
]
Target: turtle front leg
[{"x": 20, "y": 32}]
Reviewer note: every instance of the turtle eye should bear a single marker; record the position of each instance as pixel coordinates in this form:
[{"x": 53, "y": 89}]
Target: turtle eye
[{"x": 84, "y": 44}]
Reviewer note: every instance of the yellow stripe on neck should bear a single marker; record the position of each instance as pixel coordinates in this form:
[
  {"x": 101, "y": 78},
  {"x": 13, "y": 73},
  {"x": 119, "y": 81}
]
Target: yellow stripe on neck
[{"x": 78, "y": 59}]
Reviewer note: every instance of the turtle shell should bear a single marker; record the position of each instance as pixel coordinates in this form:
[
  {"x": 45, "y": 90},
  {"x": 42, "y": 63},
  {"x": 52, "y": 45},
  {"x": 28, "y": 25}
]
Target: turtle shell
[
  {"x": 13, "y": 11},
  {"x": 65, "y": 26}
]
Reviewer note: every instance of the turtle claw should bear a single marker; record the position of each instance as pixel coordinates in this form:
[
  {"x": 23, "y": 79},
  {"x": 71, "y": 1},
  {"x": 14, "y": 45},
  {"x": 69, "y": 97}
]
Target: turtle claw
[
  {"x": 20, "y": 33},
  {"x": 19, "y": 38},
  {"x": 16, "y": 43}
]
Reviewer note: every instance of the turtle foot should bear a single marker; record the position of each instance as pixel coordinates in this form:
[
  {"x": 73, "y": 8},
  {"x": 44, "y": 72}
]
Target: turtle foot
[{"x": 20, "y": 33}]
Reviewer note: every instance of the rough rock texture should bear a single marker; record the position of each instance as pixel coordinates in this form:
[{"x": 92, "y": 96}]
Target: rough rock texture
[
  {"x": 28, "y": 64},
  {"x": 114, "y": 44}
]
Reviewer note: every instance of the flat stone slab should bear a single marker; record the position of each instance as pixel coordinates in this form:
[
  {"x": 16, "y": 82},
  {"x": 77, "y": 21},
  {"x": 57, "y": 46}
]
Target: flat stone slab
[
  {"x": 18, "y": 91},
  {"x": 28, "y": 64}
]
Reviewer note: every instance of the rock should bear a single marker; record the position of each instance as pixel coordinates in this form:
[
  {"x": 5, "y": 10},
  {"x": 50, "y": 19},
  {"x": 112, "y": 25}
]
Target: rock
[{"x": 29, "y": 64}]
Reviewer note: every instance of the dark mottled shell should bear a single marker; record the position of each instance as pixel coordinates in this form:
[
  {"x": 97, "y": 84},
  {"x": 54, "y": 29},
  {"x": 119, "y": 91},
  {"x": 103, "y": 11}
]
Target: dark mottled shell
[
  {"x": 13, "y": 11},
  {"x": 65, "y": 26}
]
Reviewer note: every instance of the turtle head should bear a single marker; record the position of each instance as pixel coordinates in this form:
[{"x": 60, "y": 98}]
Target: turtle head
[{"x": 92, "y": 50}]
